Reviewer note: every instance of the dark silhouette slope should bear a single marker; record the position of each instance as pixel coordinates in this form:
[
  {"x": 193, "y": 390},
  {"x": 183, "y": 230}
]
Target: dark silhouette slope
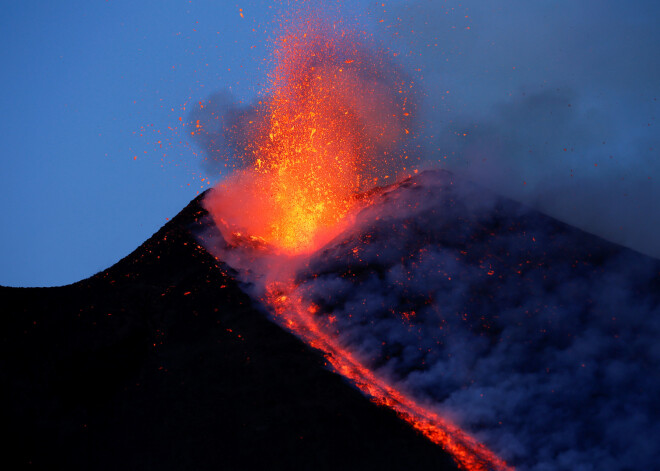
[{"x": 161, "y": 362}]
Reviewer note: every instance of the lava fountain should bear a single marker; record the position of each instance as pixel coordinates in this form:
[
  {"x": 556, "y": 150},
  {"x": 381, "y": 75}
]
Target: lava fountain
[{"x": 334, "y": 123}]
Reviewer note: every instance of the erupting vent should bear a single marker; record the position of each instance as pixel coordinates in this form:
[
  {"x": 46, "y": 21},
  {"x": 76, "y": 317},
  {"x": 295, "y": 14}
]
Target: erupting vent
[{"x": 333, "y": 124}]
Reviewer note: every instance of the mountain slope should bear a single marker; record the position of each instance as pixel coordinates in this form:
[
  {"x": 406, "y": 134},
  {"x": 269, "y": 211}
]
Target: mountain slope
[{"x": 161, "y": 362}]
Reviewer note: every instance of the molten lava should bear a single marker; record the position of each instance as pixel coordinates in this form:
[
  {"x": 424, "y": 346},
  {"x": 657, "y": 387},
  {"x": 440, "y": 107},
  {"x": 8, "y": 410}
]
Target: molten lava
[{"x": 333, "y": 124}]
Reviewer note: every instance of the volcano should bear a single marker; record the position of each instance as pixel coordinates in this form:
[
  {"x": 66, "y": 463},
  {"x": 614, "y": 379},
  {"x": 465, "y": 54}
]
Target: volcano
[
  {"x": 162, "y": 362},
  {"x": 532, "y": 336}
]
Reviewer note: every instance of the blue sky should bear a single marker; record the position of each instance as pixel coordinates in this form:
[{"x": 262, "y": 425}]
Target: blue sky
[
  {"x": 90, "y": 87},
  {"x": 87, "y": 86}
]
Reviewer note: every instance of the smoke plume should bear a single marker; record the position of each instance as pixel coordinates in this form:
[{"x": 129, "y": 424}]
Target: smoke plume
[{"x": 554, "y": 104}]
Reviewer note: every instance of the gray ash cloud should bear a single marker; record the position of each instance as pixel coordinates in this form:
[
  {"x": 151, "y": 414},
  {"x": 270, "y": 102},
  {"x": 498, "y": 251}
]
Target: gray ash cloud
[
  {"x": 223, "y": 129},
  {"x": 537, "y": 337}
]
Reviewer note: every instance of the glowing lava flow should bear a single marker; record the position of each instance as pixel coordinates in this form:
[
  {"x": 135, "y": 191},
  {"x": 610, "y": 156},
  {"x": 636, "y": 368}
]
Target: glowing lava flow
[
  {"x": 297, "y": 315},
  {"x": 333, "y": 124}
]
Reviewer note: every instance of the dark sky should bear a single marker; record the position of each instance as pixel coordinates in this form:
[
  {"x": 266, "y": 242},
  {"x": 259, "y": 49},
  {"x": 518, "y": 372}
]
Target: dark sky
[{"x": 553, "y": 103}]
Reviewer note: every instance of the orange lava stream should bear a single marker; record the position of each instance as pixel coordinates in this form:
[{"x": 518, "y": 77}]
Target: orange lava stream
[{"x": 297, "y": 315}]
